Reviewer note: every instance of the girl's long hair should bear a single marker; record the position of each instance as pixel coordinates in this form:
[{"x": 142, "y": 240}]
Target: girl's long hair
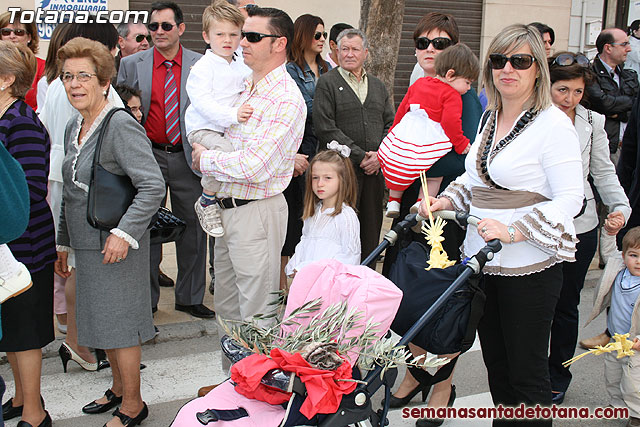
[{"x": 347, "y": 192}]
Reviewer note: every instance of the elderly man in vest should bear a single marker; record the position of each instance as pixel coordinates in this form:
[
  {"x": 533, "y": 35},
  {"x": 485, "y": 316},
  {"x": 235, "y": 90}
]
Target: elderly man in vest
[{"x": 354, "y": 108}]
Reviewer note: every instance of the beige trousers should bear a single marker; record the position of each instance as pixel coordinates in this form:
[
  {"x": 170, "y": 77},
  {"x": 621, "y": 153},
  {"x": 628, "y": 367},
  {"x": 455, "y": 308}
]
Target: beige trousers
[
  {"x": 211, "y": 140},
  {"x": 622, "y": 380},
  {"x": 247, "y": 261}
]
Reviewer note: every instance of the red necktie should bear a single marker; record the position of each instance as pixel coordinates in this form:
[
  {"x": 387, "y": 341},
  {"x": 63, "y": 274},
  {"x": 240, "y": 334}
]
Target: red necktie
[{"x": 171, "y": 110}]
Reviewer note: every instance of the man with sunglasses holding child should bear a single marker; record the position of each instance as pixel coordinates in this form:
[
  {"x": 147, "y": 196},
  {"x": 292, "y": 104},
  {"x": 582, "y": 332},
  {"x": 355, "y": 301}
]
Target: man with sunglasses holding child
[{"x": 160, "y": 74}]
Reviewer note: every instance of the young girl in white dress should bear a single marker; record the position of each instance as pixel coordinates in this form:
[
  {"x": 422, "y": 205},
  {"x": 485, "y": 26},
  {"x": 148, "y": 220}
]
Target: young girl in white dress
[{"x": 331, "y": 228}]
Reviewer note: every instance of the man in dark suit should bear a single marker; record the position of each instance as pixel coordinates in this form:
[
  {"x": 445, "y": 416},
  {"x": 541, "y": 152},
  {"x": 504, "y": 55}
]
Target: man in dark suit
[
  {"x": 354, "y": 108},
  {"x": 160, "y": 74}
]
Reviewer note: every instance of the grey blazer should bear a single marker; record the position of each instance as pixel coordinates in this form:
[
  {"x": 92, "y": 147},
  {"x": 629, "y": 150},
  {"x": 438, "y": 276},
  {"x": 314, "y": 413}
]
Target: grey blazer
[
  {"x": 137, "y": 71},
  {"x": 596, "y": 161},
  {"x": 126, "y": 150}
]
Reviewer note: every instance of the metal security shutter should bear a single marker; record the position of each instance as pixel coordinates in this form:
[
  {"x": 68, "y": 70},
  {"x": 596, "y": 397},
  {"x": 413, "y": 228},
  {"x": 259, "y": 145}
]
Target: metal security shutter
[
  {"x": 468, "y": 14},
  {"x": 192, "y": 10}
]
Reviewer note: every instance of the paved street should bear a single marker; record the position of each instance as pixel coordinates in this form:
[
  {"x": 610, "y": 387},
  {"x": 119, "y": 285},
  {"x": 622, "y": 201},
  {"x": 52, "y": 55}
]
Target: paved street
[{"x": 185, "y": 357}]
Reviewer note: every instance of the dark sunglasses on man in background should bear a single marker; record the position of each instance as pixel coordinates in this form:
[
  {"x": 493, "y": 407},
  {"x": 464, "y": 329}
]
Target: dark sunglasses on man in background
[
  {"x": 253, "y": 37},
  {"x": 318, "y": 34},
  {"x": 17, "y": 31},
  {"x": 566, "y": 59},
  {"x": 166, "y": 26},
  {"x": 519, "y": 61},
  {"x": 439, "y": 43},
  {"x": 141, "y": 37}
]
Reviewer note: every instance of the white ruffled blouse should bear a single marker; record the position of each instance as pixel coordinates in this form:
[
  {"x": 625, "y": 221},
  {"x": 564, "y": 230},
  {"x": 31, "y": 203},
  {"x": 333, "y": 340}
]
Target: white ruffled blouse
[
  {"x": 327, "y": 237},
  {"x": 545, "y": 159}
]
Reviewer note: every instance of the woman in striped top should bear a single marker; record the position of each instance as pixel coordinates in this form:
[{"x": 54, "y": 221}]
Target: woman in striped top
[{"x": 27, "y": 320}]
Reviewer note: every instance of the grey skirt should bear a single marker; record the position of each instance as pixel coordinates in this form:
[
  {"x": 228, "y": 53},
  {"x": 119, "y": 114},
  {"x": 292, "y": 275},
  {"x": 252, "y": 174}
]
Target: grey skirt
[{"x": 113, "y": 301}]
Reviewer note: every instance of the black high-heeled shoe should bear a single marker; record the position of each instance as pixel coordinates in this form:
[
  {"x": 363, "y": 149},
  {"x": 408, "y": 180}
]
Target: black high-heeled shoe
[
  {"x": 399, "y": 402},
  {"x": 9, "y": 411},
  {"x": 433, "y": 422},
  {"x": 98, "y": 408},
  {"x": 66, "y": 353},
  {"x": 127, "y": 421},
  {"x": 45, "y": 423}
]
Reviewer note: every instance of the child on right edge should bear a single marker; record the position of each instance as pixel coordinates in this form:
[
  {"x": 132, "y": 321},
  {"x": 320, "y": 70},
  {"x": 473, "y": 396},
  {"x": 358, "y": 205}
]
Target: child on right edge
[
  {"x": 619, "y": 290},
  {"x": 427, "y": 125},
  {"x": 214, "y": 83}
]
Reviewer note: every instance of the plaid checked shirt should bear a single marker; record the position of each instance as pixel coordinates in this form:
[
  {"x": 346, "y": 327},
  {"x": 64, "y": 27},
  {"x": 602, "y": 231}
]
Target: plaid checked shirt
[{"x": 265, "y": 146}]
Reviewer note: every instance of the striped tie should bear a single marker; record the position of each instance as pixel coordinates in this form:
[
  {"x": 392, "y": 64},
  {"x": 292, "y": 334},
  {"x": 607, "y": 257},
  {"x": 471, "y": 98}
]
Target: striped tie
[{"x": 171, "y": 110}]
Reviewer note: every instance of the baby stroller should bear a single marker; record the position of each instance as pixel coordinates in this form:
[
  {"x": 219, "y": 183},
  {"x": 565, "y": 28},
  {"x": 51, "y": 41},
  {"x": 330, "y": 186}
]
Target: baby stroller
[{"x": 361, "y": 287}]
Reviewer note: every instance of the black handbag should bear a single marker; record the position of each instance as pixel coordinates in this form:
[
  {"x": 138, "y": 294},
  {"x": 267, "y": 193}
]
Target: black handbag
[
  {"x": 110, "y": 196},
  {"x": 167, "y": 227}
]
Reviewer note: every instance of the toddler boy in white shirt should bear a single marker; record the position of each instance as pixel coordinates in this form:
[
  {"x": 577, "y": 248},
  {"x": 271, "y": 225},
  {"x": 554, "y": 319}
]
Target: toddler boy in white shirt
[{"x": 214, "y": 83}]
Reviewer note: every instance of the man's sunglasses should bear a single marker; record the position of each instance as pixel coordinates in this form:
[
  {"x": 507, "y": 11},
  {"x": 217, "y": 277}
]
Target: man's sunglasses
[
  {"x": 249, "y": 7},
  {"x": 519, "y": 61},
  {"x": 141, "y": 37},
  {"x": 253, "y": 37},
  {"x": 17, "y": 31},
  {"x": 566, "y": 59},
  {"x": 439, "y": 43},
  {"x": 319, "y": 34},
  {"x": 166, "y": 26}
]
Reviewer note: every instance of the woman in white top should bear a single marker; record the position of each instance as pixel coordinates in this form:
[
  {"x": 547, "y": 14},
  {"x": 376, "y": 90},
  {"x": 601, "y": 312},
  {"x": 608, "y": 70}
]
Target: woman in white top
[
  {"x": 570, "y": 74},
  {"x": 524, "y": 178}
]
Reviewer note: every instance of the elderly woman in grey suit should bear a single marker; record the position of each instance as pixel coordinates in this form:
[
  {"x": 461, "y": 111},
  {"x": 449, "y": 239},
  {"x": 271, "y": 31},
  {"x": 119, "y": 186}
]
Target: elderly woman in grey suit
[
  {"x": 112, "y": 291},
  {"x": 569, "y": 74}
]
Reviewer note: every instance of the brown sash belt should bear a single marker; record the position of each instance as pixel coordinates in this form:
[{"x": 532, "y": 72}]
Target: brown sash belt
[{"x": 494, "y": 198}]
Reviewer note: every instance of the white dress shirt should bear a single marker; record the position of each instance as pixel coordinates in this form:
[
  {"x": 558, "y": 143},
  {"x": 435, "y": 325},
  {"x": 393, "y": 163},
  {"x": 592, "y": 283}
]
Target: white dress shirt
[{"x": 213, "y": 86}]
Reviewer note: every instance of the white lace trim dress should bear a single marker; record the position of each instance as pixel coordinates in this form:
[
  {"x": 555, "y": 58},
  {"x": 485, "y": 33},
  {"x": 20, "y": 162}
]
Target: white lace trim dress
[{"x": 327, "y": 237}]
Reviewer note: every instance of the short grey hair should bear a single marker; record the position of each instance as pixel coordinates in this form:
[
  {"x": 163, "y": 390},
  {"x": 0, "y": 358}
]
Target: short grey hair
[
  {"x": 351, "y": 33},
  {"x": 123, "y": 30}
]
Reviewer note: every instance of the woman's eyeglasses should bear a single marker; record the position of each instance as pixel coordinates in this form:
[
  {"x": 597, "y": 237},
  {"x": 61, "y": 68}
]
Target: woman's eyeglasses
[
  {"x": 566, "y": 59},
  {"x": 319, "y": 34},
  {"x": 166, "y": 26},
  {"x": 253, "y": 37},
  {"x": 519, "y": 61},
  {"x": 141, "y": 37},
  {"x": 82, "y": 77},
  {"x": 17, "y": 31},
  {"x": 439, "y": 43}
]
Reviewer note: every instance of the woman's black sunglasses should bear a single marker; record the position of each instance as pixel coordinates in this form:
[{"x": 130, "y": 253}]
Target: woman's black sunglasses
[
  {"x": 319, "y": 34},
  {"x": 253, "y": 37},
  {"x": 17, "y": 31},
  {"x": 519, "y": 61},
  {"x": 141, "y": 37},
  {"x": 166, "y": 26},
  {"x": 439, "y": 43},
  {"x": 566, "y": 59}
]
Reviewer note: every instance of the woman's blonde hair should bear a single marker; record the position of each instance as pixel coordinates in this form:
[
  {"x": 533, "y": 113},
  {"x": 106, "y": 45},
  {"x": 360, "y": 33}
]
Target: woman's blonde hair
[
  {"x": 92, "y": 50},
  {"x": 512, "y": 38},
  {"x": 19, "y": 61},
  {"x": 347, "y": 192}
]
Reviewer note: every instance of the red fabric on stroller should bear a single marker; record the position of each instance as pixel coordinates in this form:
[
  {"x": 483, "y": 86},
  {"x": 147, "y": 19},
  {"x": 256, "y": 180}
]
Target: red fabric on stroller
[{"x": 363, "y": 289}]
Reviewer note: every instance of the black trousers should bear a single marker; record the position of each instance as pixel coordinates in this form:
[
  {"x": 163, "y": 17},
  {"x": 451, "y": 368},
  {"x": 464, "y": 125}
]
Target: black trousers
[
  {"x": 634, "y": 221},
  {"x": 564, "y": 330},
  {"x": 514, "y": 334},
  {"x": 369, "y": 208}
]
